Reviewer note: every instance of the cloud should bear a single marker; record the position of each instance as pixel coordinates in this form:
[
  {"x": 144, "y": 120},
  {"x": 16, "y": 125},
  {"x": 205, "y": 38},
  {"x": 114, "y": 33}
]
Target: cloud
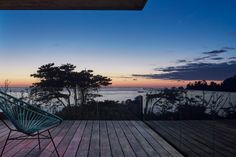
[
  {"x": 232, "y": 62},
  {"x": 122, "y": 77},
  {"x": 215, "y": 52},
  {"x": 167, "y": 69},
  {"x": 217, "y": 58},
  {"x": 195, "y": 71},
  {"x": 228, "y": 48},
  {"x": 182, "y": 61},
  {"x": 126, "y": 77},
  {"x": 203, "y": 58},
  {"x": 201, "y": 68}
]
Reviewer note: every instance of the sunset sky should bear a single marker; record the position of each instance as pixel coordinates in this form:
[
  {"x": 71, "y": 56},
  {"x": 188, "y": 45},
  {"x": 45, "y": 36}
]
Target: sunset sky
[{"x": 169, "y": 43}]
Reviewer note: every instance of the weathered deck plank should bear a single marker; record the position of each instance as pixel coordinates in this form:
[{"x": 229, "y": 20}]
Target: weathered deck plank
[
  {"x": 11, "y": 145},
  {"x": 161, "y": 141},
  {"x": 174, "y": 138},
  {"x": 57, "y": 139},
  {"x": 44, "y": 143},
  {"x": 114, "y": 142},
  {"x": 205, "y": 136},
  {"x": 66, "y": 140},
  {"x": 104, "y": 140},
  {"x": 94, "y": 146},
  {"x": 127, "y": 149},
  {"x": 85, "y": 142},
  {"x": 200, "y": 138},
  {"x": 139, "y": 151},
  {"x": 31, "y": 144},
  {"x": 93, "y": 139},
  {"x": 145, "y": 145},
  {"x": 75, "y": 142},
  {"x": 187, "y": 140},
  {"x": 158, "y": 148}
]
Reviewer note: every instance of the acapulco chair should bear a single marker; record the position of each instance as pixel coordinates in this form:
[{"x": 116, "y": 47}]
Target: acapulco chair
[{"x": 27, "y": 119}]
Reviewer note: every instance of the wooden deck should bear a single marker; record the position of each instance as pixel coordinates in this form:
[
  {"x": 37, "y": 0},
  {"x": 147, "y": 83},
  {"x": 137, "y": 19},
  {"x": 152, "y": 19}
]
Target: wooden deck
[
  {"x": 200, "y": 138},
  {"x": 94, "y": 139}
]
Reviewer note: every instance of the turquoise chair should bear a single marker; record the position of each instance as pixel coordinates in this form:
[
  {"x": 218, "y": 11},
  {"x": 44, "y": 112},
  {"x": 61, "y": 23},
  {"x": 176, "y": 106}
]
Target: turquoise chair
[{"x": 27, "y": 119}]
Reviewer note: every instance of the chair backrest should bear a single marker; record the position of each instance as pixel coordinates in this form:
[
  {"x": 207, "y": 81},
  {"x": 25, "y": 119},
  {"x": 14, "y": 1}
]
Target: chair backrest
[{"x": 25, "y": 117}]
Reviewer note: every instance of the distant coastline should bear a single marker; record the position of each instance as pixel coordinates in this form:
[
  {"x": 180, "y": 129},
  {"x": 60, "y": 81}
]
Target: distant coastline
[
  {"x": 108, "y": 93},
  {"x": 19, "y": 89}
]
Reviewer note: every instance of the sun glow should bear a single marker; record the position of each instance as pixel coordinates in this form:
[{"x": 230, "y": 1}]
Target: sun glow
[{"x": 117, "y": 81}]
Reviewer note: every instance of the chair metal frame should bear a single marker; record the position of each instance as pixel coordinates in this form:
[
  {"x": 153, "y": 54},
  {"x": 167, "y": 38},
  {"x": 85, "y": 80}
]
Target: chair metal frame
[{"x": 29, "y": 136}]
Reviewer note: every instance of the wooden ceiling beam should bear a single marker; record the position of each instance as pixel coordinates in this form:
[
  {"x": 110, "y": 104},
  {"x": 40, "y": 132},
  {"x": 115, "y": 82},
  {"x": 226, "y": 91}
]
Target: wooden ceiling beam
[{"x": 72, "y": 4}]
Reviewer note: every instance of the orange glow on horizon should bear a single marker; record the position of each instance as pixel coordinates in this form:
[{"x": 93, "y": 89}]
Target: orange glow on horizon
[
  {"x": 153, "y": 83},
  {"x": 149, "y": 83},
  {"x": 18, "y": 82},
  {"x": 117, "y": 82}
]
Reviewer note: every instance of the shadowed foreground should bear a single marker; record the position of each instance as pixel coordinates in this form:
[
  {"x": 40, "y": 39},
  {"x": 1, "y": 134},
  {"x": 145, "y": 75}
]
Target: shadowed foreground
[
  {"x": 93, "y": 139},
  {"x": 200, "y": 137}
]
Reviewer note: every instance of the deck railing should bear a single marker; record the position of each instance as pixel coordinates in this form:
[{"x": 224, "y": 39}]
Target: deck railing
[
  {"x": 120, "y": 105},
  {"x": 197, "y": 123}
]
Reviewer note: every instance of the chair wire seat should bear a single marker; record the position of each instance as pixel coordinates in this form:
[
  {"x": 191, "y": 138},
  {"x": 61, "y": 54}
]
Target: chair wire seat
[{"x": 27, "y": 118}]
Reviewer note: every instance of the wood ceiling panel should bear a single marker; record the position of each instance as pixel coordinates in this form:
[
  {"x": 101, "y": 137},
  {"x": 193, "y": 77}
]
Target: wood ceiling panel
[{"x": 72, "y": 4}]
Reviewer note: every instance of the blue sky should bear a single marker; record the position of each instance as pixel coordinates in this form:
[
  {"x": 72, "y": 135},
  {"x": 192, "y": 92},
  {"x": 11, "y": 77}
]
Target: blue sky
[{"x": 118, "y": 43}]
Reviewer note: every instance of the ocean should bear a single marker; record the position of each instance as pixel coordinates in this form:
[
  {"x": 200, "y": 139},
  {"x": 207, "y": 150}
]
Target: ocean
[
  {"x": 218, "y": 100},
  {"x": 124, "y": 93},
  {"x": 110, "y": 93}
]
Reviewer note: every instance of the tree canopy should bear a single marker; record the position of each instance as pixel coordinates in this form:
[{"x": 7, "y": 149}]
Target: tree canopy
[
  {"x": 228, "y": 85},
  {"x": 60, "y": 83}
]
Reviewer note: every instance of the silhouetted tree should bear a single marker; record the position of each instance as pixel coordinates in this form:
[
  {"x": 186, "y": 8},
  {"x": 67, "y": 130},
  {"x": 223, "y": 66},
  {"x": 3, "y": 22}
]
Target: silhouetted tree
[
  {"x": 60, "y": 82},
  {"x": 198, "y": 85},
  {"x": 85, "y": 82},
  {"x": 5, "y": 87},
  {"x": 165, "y": 99},
  {"x": 214, "y": 86},
  {"x": 229, "y": 84},
  {"x": 52, "y": 81}
]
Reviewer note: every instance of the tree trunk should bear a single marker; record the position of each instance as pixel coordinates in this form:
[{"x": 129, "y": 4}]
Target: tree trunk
[
  {"x": 82, "y": 97},
  {"x": 75, "y": 96},
  {"x": 69, "y": 95}
]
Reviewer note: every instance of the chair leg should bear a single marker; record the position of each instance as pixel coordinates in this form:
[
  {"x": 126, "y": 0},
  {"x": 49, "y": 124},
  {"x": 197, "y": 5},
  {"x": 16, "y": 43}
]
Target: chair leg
[
  {"x": 5, "y": 143},
  {"x": 39, "y": 141},
  {"x": 53, "y": 143}
]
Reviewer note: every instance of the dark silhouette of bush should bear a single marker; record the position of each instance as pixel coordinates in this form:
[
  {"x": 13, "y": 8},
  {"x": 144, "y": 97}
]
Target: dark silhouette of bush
[
  {"x": 192, "y": 112},
  {"x": 105, "y": 110},
  {"x": 183, "y": 112},
  {"x": 228, "y": 85},
  {"x": 230, "y": 112}
]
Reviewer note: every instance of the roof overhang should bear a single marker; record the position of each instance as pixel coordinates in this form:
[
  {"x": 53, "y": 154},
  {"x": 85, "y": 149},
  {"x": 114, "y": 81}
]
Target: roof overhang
[{"x": 72, "y": 4}]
